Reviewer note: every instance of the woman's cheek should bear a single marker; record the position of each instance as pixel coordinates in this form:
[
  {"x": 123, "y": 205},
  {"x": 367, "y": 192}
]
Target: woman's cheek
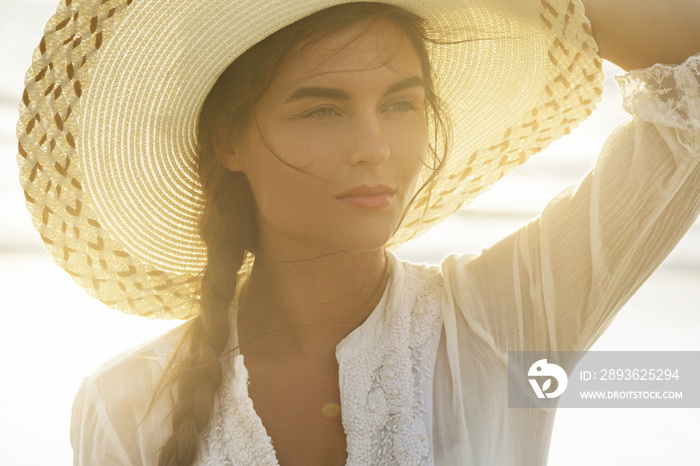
[{"x": 310, "y": 144}]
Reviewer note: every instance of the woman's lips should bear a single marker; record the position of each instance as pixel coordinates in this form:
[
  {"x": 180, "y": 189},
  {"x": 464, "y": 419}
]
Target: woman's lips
[{"x": 368, "y": 197}]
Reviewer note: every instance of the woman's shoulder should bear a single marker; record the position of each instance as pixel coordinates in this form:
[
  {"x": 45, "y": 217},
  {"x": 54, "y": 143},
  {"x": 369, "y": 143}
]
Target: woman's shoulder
[
  {"x": 151, "y": 355},
  {"x": 113, "y": 402},
  {"x": 126, "y": 382}
]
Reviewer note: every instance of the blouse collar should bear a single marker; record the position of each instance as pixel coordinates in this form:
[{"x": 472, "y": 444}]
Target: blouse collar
[{"x": 373, "y": 327}]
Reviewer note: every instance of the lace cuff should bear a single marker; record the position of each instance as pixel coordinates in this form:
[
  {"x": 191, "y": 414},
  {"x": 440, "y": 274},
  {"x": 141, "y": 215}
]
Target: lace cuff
[{"x": 664, "y": 94}]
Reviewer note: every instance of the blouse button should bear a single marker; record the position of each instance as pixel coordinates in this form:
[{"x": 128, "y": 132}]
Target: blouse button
[
  {"x": 394, "y": 392},
  {"x": 390, "y": 363}
]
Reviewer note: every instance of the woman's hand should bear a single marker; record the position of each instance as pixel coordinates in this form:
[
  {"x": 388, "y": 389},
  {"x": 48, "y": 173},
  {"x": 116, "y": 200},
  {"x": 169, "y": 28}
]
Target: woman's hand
[{"x": 639, "y": 33}]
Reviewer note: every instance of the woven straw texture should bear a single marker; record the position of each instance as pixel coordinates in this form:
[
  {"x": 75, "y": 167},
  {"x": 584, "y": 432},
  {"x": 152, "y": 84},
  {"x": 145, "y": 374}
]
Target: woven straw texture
[{"x": 107, "y": 128}]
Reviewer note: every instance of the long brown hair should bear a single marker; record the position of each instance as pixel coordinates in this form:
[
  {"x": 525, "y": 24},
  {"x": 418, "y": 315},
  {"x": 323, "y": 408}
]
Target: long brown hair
[{"x": 228, "y": 225}]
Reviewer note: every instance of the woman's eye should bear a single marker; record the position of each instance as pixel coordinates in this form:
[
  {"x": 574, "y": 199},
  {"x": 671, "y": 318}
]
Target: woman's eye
[
  {"x": 323, "y": 112},
  {"x": 400, "y": 106}
]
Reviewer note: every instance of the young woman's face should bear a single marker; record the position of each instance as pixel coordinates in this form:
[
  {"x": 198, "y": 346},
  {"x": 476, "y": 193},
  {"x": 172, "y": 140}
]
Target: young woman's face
[{"x": 336, "y": 143}]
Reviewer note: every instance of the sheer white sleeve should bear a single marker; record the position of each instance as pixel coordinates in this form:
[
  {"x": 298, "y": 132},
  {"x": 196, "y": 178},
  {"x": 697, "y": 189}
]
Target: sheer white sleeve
[
  {"x": 92, "y": 434},
  {"x": 557, "y": 283}
]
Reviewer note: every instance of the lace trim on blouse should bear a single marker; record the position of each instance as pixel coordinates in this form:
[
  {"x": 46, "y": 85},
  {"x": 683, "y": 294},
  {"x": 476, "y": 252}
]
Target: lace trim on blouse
[
  {"x": 237, "y": 435},
  {"x": 383, "y": 397},
  {"x": 668, "y": 95}
]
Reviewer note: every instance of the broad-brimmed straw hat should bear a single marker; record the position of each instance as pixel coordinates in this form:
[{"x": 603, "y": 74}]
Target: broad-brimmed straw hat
[{"x": 107, "y": 128}]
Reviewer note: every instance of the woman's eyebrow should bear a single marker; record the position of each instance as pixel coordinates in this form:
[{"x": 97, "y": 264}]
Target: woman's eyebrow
[
  {"x": 413, "y": 81},
  {"x": 340, "y": 94},
  {"x": 303, "y": 92}
]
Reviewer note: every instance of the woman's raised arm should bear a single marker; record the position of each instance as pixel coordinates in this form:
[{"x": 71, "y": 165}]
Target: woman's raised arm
[
  {"x": 639, "y": 33},
  {"x": 557, "y": 283}
]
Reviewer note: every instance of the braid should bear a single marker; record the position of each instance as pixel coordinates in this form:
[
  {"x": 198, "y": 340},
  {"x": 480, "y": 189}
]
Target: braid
[
  {"x": 208, "y": 336},
  {"x": 227, "y": 238}
]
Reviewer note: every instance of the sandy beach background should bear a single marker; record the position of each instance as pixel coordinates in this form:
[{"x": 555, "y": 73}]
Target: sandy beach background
[{"x": 52, "y": 334}]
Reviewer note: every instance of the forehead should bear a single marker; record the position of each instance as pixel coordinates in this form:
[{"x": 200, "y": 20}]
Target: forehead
[{"x": 380, "y": 46}]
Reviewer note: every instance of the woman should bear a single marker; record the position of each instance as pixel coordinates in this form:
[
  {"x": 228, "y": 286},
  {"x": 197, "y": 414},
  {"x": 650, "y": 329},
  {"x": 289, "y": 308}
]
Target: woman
[{"x": 319, "y": 138}]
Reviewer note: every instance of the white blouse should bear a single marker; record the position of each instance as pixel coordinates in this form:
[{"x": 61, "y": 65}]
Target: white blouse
[{"x": 424, "y": 380}]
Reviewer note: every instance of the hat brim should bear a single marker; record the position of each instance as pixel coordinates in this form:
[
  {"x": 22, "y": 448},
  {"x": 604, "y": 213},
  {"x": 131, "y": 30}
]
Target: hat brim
[{"x": 108, "y": 122}]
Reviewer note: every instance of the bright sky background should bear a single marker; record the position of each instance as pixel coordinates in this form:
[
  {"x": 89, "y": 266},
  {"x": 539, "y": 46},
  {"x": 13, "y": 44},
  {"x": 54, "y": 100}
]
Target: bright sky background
[{"x": 52, "y": 334}]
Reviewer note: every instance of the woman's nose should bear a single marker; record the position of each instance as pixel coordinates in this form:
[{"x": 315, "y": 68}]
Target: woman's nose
[{"x": 371, "y": 142}]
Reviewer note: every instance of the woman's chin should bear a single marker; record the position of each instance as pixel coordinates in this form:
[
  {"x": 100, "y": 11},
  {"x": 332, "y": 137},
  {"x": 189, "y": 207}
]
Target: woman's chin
[{"x": 319, "y": 237}]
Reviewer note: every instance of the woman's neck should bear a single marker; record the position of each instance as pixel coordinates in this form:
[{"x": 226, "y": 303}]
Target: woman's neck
[{"x": 304, "y": 308}]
